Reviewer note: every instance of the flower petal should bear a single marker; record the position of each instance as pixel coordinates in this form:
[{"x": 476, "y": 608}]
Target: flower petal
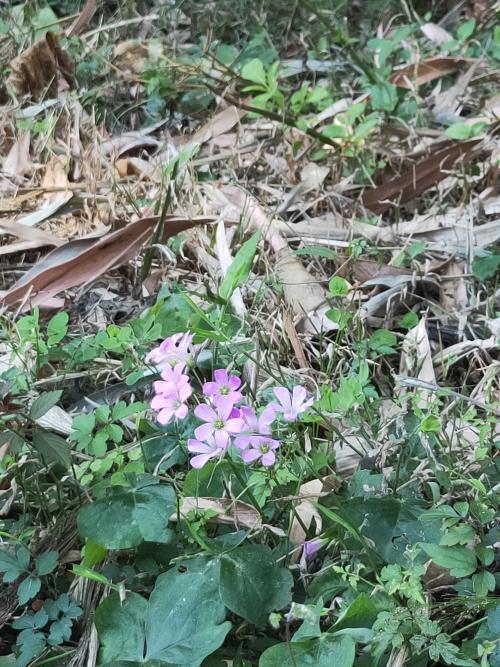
[
  {"x": 234, "y": 425},
  {"x": 299, "y": 395},
  {"x": 200, "y": 460},
  {"x": 182, "y": 411},
  {"x": 199, "y": 447},
  {"x": 221, "y": 438},
  {"x": 205, "y": 412},
  {"x": 268, "y": 459},
  {"x": 224, "y": 405},
  {"x": 204, "y": 431},
  {"x": 221, "y": 376},
  {"x": 165, "y": 416},
  {"x": 250, "y": 455},
  {"x": 283, "y": 396},
  {"x": 210, "y": 388}
]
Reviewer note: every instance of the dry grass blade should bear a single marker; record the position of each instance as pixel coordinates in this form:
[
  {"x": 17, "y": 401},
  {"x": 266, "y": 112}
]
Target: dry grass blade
[
  {"x": 84, "y": 19},
  {"x": 18, "y": 161}
]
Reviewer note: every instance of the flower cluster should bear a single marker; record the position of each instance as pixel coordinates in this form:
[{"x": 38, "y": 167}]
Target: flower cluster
[{"x": 226, "y": 420}]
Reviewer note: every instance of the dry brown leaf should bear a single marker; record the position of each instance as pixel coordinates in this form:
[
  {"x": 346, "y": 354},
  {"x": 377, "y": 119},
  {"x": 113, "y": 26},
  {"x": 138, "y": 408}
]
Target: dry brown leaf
[
  {"x": 229, "y": 512},
  {"x": 306, "y": 512},
  {"x": 420, "y": 176},
  {"x": 416, "y": 359},
  {"x": 82, "y": 261},
  {"x": 306, "y": 297},
  {"x": 18, "y": 161},
  {"x": 427, "y": 70},
  {"x": 367, "y": 269},
  {"x": 221, "y": 123},
  {"x": 31, "y": 234},
  {"x": 56, "y": 181},
  {"x": 41, "y": 69},
  {"x": 436, "y": 33},
  {"x": 84, "y": 19}
]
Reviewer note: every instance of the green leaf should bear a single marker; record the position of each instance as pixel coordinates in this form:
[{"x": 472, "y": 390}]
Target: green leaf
[
  {"x": 485, "y": 268},
  {"x": 430, "y": 424},
  {"x": 494, "y": 620},
  {"x": 460, "y": 561},
  {"x": 254, "y": 71},
  {"x": 316, "y": 251},
  {"x": 338, "y": 286},
  {"x": 14, "y": 563},
  {"x": 252, "y": 585},
  {"x": 51, "y": 447},
  {"x": 57, "y": 328},
  {"x": 325, "y": 651},
  {"x": 43, "y": 403},
  {"x": 483, "y": 582},
  {"x": 361, "y": 613},
  {"x": 128, "y": 516},
  {"x": 182, "y": 623},
  {"x": 31, "y": 644},
  {"x": 46, "y": 563},
  {"x": 240, "y": 267},
  {"x": 28, "y": 588},
  {"x": 384, "y": 96},
  {"x": 466, "y": 29}
]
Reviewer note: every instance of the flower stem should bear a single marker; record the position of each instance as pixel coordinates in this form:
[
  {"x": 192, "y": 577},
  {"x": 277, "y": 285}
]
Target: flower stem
[{"x": 245, "y": 486}]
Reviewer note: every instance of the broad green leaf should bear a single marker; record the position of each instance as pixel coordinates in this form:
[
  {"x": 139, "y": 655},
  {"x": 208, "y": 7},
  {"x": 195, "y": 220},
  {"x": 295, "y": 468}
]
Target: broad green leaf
[
  {"x": 240, "y": 267},
  {"x": 28, "y": 588},
  {"x": 485, "y": 268},
  {"x": 43, "y": 403},
  {"x": 14, "y": 563},
  {"x": 128, "y": 516},
  {"x": 254, "y": 71},
  {"x": 57, "y": 328},
  {"x": 93, "y": 554},
  {"x": 494, "y": 620},
  {"x": 182, "y": 623},
  {"x": 316, "y": 251},
  {"x": 362, "y": 612},
  {"x": 430, "y": 424},
  {"x": 46, "y": 562},
  {"x": 252, "y": 585},
  {"x": 88, "y": 573},
  {"x": 121, "y": 627},
  {"x": 460, "y": 561},
  {"x": 483, "y": 583},
  {"x": 338, "y": 286},
  {"x": 51, "y": 447},
  {"x": 326, "y": 651},
  {"x": 459, "y": 131},
  {"x": 384, "y": 96}
]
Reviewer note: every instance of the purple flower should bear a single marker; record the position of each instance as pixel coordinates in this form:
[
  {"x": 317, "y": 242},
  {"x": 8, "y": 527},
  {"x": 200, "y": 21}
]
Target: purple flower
[
  {"x": 224, "y": 385},
  {"x": 261, "y": 447},
  {"x": 219, "y": 422},
  {"x": 292, "y": 404},
  {"x": 205, "y": 451},
  {"x": 174, "y": 349},
  {"x": 311, "y": 547},
  {"x": 172, "y": 403},
  {"x": 255, "y": 425},
  {"x": 171, "y": 377}
]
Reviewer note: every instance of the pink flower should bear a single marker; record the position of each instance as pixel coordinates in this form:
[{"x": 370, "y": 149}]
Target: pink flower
[
  {"x": 311, "y": 547},
  {"x": 205, "y": 450},
  {"x": 292, "y": 404},
  {"x": 261, "y": 447},
  {"x": 255, "y": 425},
  {"x": 171, "y": 377},
  {"x": 219, "y": 422},
  {"x": 224, "y": 385},
  {"x": 172, "y": 403},
  {"x": 174, "y": 349}
]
